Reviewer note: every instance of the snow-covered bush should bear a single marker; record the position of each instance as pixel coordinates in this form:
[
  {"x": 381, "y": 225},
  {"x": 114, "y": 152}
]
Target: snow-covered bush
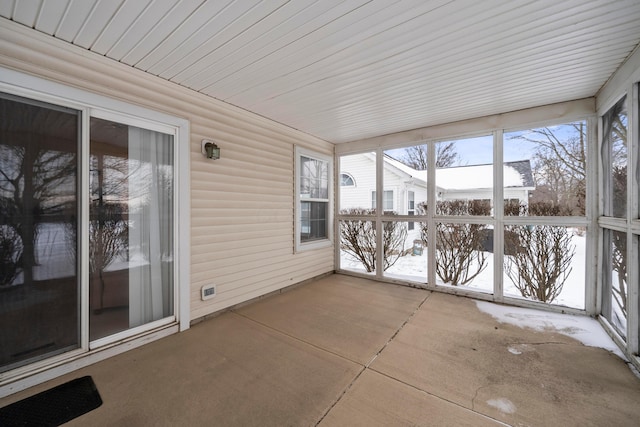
[
  {"x": 358, "y": 239},
  {"x": 459, "y": 246},
  {"x": 542, "y": 263}
]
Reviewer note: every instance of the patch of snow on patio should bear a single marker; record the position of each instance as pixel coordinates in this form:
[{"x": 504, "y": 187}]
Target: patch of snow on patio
[
  {"x": 582, "y": 328},
  {"x": 503, "y": 405}
]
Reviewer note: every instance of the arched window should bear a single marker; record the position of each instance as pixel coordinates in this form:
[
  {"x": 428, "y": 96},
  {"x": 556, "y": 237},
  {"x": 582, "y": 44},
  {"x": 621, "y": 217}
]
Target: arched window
[{"x": 347, "y": 180}]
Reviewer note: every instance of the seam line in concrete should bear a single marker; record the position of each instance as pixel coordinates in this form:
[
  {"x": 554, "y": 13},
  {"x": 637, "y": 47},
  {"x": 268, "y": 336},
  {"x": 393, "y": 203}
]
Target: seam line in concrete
[
  {"x": 440, "y": 397},
  {"x": 346, "y": 389},
  {"x": 407, "y": 320},
  {"x": 365, "y": 367},
  {"x": 317, "y": 347}
]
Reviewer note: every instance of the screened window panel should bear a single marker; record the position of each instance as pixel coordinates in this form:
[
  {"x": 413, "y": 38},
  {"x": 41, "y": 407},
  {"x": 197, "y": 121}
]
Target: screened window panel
[
  {"x": 464, "y": 177},
  {"x": 545, "y": 171},
  {"x": 356, "y": 199},
  {"x": 615, "y": 160}
]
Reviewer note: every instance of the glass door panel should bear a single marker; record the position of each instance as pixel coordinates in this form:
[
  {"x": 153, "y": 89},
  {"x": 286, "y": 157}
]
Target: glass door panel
[
  {"x": 39, "y": 286},
  {"x": 131, "y": 220}
]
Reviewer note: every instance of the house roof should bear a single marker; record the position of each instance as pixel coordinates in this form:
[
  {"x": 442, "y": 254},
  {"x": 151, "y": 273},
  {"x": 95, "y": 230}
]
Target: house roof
[
  {"x": 348, "y": 70},
  {"x": 516, "y": 174}
]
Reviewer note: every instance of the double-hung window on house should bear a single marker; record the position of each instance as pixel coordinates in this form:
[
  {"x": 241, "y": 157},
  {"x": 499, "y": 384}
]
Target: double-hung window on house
[
  {"x": 387, "y": 200},
  {"x": 313, "y": 199},
  {"x": 88, "y": 225}
]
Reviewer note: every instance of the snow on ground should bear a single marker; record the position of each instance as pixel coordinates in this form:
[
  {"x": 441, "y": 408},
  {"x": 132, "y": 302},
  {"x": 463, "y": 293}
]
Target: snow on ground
[
  {"x": 582, "y": 328},
  {"x": 414, "y": 268}
]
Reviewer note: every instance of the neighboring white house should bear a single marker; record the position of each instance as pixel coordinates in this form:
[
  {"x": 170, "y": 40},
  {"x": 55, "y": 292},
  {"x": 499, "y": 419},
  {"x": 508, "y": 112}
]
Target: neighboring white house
[{"x": 405, "y": 187}]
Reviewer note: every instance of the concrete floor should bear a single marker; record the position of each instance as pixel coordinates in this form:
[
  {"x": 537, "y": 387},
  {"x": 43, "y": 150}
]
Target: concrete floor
[{"x": 345, "y": 351}]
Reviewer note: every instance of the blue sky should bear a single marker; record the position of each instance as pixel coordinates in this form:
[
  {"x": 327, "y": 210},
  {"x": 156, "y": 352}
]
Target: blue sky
[{"x": 479, "y": 150}]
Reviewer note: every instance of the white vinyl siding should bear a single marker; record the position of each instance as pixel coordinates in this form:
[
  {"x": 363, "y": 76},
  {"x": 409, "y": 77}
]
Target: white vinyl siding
[{"x": 241, "y": 205}]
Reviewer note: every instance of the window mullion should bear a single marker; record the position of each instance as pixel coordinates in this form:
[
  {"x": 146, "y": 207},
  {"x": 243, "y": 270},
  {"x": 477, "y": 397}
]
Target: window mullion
[
  {"x": 83, "y": 235},
  {"x": 431, "y": 211},
  {"x": 379, "y": 213},
  {"x": 592, "y": 208},
  {"x": 498, "y": 215}
]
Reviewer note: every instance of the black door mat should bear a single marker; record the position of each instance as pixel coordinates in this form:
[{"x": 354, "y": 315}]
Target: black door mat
[{"x": 53, "y": 407}]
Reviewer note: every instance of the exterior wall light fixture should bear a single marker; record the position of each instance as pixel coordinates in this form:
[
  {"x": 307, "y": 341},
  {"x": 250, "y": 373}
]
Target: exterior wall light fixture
[{"x": 210, "y": 149}]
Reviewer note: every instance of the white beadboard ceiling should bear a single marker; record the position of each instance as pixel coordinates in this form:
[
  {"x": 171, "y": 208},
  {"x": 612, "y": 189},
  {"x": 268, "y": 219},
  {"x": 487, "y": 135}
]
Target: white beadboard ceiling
[{"x": 348, "y": 70}]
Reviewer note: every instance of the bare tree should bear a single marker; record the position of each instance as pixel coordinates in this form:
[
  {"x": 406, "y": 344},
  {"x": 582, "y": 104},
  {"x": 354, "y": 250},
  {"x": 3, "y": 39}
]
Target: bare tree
[
  {"x": 446, "y": 155},
  {"x": 560, "y": 164},
  {"x": 616, "y": 142},
  {"x": 358, "y": 238},
  {"x": 35, "y": 184},
  {"x": 38, "y": 172},
  {"x": 10, "y": 253},
  {"x": 416, "y": 156},
  {"x": 619, "y": 266},
  {"x": 108, "y": 239}
]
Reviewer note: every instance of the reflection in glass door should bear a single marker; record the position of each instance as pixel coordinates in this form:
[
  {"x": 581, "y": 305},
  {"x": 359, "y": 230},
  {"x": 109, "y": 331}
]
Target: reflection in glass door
[
  {"x": 127, "y": 237},
  {"x": 39, "y": 286},
  {"x": 131, "y": 227}
]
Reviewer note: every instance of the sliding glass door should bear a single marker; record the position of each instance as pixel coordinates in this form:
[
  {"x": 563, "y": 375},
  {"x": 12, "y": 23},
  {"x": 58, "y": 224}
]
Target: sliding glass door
[
  {"x": 86, "y": 259},
  {"x": 130, "y": 227},
  {"x": 39, "y": 286}
]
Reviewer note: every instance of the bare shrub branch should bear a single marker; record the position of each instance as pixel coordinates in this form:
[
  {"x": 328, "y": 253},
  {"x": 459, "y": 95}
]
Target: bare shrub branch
[
  {"x": 542, "y": 262},
  {"x": 358, "y": 239},
  {"x": 459, "y": 255}
]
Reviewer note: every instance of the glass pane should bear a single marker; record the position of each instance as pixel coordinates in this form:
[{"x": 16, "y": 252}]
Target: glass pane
[
  {"x": 313, "y": 223},
  {"x": 131, "y": 227},
  {"x": 314, "y": 178},
  {"x": 388, "y": 201},
  {"x": 464, "y": 255},
  {"x": 545, "y": 171},
  {"x": 406, "y": 251},
  {"x": 614, "y": 160},
  {"x": 346, "y": 180},
  {"x": 615, "y": 280},
  {"x": 406, "y": 171},
  {"x": 358, "y": 245},
  {"x": 39, "y": 287},
  {"x": 405, "y": 179},
  {"x": 356, "y": 199},
  {"x": 545, "y": 263},
  {"x": 464, "y": 176}
]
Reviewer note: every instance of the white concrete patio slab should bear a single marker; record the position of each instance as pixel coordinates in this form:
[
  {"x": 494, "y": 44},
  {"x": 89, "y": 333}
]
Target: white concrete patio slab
[
  {"x": 509, "y": 373},
  {"x": 304, "y": 358},
  {"x": 349, "y": 316},
  {"x": 373, "y": 400}
]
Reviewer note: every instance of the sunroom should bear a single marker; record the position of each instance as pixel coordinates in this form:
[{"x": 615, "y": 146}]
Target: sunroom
[{"x": 163, "y": 162}]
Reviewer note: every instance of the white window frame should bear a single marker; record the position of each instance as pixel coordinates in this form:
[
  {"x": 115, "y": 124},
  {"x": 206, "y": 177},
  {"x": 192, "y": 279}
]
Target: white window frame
[
  {"x": 384, "y": 193},
  {"x": 411, "y": 210},
  {"x": 353, "y": 181},
  {"x": 628, "y": 226},
  {"x": 320, "y": 243},
  {"x": 20, "y": 84}
]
